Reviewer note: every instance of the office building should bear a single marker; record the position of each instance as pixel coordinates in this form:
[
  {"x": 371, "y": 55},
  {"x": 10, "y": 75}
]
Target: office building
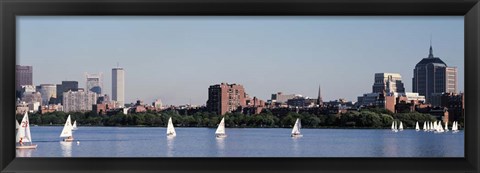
[
  {"x": 388, "y": 82},
  {"x": 118, "y": 86},
  {"x": 48, "y": 92},
  {"x": 64, "y": 87},
  {"x": 23, "y": 76},
  {"x": 94, "y": 83},
  {"x": 432, "y": 75}
]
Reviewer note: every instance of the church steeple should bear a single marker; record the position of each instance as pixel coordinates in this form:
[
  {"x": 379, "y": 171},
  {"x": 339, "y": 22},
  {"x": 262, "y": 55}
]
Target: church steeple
[{"x": 319, "y": 99}]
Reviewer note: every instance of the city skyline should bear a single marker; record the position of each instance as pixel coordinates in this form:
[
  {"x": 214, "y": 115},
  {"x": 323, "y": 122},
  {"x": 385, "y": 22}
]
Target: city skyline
[{"x": 256, "y": 53}]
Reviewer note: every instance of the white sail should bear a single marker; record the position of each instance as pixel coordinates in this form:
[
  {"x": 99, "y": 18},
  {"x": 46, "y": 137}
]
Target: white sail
[
  {"x": 170, "y": 128},
  {"x": 24, "y": 130},
  {"x": 401, "y": 126},
  {"x": 221, "y": 128},
  {"x": 431, "y": 126},
  {"x": 393, "y": 125},
  {"x": 440, "y": 127},
  {"x": 74, "y": 126},
  {"x": 17, "y": 126},
  {"x": 425, "y": 126},
  {"x": 296, "y": 127},
  {"x": 446, "y": 126},
  {"x": 67, "y": 129},
  {"x": 417, "y": 127}
]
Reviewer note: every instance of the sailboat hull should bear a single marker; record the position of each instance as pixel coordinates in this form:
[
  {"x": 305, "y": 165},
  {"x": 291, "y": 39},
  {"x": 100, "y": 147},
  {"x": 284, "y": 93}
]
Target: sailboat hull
[
  {"x": 32, "y": 146},
  {"x": 296, "y": 135},
  {"x": 68, "y": 140},
  {"x": 220, "y": 135}
]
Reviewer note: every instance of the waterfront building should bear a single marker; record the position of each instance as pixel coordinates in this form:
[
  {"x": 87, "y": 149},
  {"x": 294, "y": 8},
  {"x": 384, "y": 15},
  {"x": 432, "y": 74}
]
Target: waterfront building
[
  {"x": 280, "y": 100},
  {"x": 78, "y": 100},
  {"x": 389, "y": 82},
  {"x": 301, "y": 102},
  {"x": 94, "y": 83},
  {"x": 23, "y": 76},
  {"x": 64, "y": 87},
  {"x": 118, "y": 86},
  {"x": 432, "y": 75},
  {"x": 48, "y": 92},
  {"x": 455, "y": 103},
  {"x": 224, "y": 97}
]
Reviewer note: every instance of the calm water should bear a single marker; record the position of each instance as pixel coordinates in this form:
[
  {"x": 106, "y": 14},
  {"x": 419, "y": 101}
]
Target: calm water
[{"x": 245, "y": 142}]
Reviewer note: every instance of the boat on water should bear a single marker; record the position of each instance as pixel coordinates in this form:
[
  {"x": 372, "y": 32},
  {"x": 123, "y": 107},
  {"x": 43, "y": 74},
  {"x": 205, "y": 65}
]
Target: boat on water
[
  {"x": 74, "y": 126},
  {"x": 401, "y": 126},
  {"x": 425, "y": 127},
  {"x": 170, "y": 129},
  {"x": 23, "y": 137},
  {"x": 455, "y": 127},
  {"x": 296, "y": 129},
  {"x": 446, "y": 126},
  {"x": 417, "y": 127},
  {"x": 438, "y": 127},
  {"x": 67, "y": 134},
  {"x": 394, "y": 126},
  {"x": 220, "y": 133}
]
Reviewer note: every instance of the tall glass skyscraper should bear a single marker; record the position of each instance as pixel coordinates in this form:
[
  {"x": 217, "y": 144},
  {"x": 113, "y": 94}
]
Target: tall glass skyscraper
[{"x": 118, "y": 86}]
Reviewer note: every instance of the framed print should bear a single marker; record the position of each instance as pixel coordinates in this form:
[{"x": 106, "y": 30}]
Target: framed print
[{"x": 281, "y": 86}]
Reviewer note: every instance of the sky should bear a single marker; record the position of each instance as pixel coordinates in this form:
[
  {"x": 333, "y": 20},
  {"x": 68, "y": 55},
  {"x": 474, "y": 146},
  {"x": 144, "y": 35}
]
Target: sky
[{"x": 176, "y": 58}]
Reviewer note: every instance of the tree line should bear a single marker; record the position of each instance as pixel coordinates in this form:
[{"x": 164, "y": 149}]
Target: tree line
[{"x": 371, "y": 118}]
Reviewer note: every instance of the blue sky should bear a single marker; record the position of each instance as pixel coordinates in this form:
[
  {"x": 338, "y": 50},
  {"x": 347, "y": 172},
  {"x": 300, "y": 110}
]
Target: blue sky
[{"x": 176, "y": 58}]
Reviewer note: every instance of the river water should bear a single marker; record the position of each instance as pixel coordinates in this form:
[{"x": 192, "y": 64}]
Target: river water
[{"x": 243, "y": 142}]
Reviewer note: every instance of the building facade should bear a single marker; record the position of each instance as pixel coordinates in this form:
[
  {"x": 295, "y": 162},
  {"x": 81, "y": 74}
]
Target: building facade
[
  {"x": 432, "y": 75},
  {"x": 23, "y": 76},
  {"x": 118, "y": 86},
  {"x": 224, "y": 97},
  {"x": 64, "y": 87},
  {"x": 388, "y": 82},
  {"x": 94, "y": 83},
  {"x": 48, "y": 92},
  {"x": 78, "y": 101}
]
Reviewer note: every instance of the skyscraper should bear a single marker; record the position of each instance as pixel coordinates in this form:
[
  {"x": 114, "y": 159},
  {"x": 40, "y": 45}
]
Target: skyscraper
[
  {"x": 118, "y": 85},
  {"x": 48, "y": 91},
  {"x": 224, "y": 97},
  {"x": 23, "y": 76},
  {"x": 94, "y": 83},
  {"x": 64, "y": 87},
  {"x": 432, "y": 75}
]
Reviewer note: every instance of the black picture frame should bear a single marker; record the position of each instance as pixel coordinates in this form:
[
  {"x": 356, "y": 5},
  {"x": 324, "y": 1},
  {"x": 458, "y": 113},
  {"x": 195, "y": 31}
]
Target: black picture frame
[{"x": 9, "y": 9}]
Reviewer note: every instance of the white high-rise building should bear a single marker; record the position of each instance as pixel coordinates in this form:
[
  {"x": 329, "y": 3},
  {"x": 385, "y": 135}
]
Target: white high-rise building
[
  {"x": 94, "y": 83},
  {"x": 74, "y": 101},
  {"x": 47, "y": 91},
  {"x": 118, "y": 86}
]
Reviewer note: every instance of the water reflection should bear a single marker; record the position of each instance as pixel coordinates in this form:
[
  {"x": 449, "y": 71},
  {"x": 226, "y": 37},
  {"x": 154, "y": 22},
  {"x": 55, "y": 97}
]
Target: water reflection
[
  {"x": 66, "y": 149},
  {"x": 170, "y": 144},
  {"x": 24, "y": 152},
  {"x": 296, "y": 148},
  {"x": 220, "y": 146}
]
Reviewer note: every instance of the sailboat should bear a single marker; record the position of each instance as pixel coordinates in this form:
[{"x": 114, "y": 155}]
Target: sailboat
[
  {"x": 446, "y": 126},
  {"x": 23, "y": 137},
  {"x": 425, "y": 126},
  {"x": 455, "y": 127},
  {"x": 394, "y": 126},
  {"x": 296, "y": 129},
  {"x": 170, "y": 129},
  {"x": 74, "y": 127},
  {"x": 220, "y": 133},
  {"x": 17, "y": 126},
  {"x": 401, "y": 126},
  {"x": 67, "y": 131},
  {"x": 417, "y": 128}
]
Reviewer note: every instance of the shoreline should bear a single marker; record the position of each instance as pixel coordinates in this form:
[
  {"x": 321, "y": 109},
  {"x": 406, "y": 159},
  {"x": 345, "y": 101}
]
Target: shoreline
[{"x": 366, "y": 128}]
